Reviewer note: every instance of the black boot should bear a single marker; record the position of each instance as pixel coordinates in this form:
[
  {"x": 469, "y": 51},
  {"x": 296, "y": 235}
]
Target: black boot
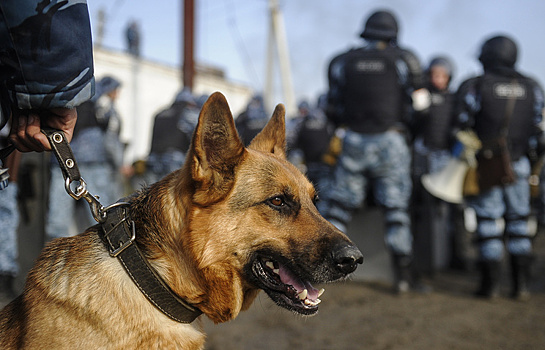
[
  {"x": 406, "y": 278},
  {"x": 490, "y": 279},
  {"x": 520, "y": 274},
  {"x": 6, "y": 289},
  {"x": 402, "y": 273}
]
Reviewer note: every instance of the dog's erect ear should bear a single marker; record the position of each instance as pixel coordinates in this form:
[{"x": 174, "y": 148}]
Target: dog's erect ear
[
  {"x": 216, "y": 148},
  {"x": 273, "y": 136}
]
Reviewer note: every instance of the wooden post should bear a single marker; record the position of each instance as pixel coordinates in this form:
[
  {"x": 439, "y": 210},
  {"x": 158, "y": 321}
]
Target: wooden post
[{"x": 188, "y": 66}]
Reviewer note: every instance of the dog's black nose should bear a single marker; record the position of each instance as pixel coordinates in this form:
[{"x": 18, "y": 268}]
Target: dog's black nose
[{"x": 347, "y": 257}]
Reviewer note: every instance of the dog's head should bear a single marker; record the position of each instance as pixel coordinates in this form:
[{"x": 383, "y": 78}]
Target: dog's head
[{"x": 251, "y": 222}]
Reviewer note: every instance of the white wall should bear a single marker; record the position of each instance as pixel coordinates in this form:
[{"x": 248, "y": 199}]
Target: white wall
[{"x": 148, "y": 87}]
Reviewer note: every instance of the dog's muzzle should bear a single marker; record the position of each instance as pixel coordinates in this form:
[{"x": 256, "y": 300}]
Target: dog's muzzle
[{"x": 290, "y": 285}]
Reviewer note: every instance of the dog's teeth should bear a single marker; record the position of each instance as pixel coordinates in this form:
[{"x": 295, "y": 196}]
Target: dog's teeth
[
  {"x": 309, "y": 302},
  {"x": 303, "y": 294},
  {"x": 277, "y": 271},
  {"x": 270, "y": 265},
  {"x": 321, "y": 292}
]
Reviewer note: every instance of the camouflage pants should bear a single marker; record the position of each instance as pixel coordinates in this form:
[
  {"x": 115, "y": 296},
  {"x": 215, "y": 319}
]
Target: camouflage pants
[
  {"x": 512, "y": 203},
  {"x": 9, "y": 221},
  {"x": 380, "y": 162}
]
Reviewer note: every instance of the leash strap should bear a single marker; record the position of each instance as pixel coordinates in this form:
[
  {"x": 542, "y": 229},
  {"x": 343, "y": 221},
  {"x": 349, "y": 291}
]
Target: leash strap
[
  {"x": 118, "y": 234},
  {"x": 63, "y": 153}
]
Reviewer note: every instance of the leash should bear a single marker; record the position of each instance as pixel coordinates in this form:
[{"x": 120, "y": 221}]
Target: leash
[
  {"x": 71, "y": 174},
  {"x": 118, "y": 234}
]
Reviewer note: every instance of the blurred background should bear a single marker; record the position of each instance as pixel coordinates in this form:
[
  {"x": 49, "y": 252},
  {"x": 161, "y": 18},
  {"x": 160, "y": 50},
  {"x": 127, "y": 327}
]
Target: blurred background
[
  {"x": 231, "y": 41},
  {"x": 141, "y": 44}
]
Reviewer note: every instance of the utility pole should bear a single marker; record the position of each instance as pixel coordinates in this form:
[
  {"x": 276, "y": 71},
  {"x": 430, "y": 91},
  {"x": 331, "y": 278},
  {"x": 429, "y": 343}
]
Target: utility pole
[
  {"x": 188, "y": 65},
  {"x": 277, "y": 40}
]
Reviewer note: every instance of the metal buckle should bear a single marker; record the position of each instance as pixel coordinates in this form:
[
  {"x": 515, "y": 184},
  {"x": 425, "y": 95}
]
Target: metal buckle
[{"x": 123, "y": 245}]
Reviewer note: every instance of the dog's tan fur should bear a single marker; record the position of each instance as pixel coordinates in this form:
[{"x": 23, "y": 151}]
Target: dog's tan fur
[{"x": 200, "y": 227}]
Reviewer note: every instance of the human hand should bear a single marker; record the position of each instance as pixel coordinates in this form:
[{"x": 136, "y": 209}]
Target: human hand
[{"x": 26, "y": 127}]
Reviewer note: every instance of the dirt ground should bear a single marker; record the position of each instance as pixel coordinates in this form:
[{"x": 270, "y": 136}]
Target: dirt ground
[{"x": 365, "y": 315}]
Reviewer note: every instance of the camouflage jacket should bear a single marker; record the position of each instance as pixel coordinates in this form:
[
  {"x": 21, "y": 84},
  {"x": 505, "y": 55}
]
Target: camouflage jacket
[{"x": 46, "y": 56}]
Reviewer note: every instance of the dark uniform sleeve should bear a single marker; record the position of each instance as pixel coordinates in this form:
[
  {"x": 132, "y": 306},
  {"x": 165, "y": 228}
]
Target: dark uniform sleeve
[
  {"x": 467, "y": 104},
  {"x": 539, "y": 97},
  {"x": 415, "y": 74},
  {"x": 47, "y": 56},
  {"x": 539, "y": 123},
  {"x": 334, "y": 109},
  {"x": 411, "y": 78}
]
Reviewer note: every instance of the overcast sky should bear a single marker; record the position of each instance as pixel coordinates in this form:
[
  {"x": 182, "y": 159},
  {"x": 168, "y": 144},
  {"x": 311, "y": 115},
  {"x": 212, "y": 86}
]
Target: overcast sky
[{"x": 232, "y": 34}]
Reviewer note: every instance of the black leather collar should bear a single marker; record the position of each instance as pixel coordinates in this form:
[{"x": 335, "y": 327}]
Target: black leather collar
[{"x": 118, "y": 234}]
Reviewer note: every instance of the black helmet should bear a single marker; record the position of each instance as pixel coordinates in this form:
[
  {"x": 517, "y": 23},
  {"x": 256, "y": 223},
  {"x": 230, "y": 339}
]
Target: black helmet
[
  {"x": 381, "y": 25},
  {"x": 106, "y": 85},
  {"x": 443, "y": 62},
  {"x": 498, "y": 51}
]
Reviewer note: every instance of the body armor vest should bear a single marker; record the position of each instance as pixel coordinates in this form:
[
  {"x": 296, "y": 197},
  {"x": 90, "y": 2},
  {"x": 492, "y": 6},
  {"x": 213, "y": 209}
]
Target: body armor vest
[
  {"x": 495, "y": 90},
  {"x": 167, "y": 136},
  {"x": 436, "y": 133},
  {"x": 314, "y": 137},
  {"x": 372, "y": 95},
  {"x": 87, "y": 117}
]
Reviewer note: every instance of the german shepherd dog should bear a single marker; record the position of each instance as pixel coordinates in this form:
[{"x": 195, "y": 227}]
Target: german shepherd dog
[{"x": 232, "y": 221}]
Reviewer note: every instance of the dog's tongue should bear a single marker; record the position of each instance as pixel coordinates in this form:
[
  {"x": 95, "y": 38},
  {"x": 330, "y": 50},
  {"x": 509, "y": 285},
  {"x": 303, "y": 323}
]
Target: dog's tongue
[{"x": 287, "y": 277}]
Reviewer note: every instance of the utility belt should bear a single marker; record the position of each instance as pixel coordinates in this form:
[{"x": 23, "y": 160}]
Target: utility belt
[
  {"x": 372, "y": 129},
  {"x": 398, "y": 128}
]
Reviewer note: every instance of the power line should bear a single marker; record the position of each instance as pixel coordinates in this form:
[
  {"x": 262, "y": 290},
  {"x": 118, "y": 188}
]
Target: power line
[{"x": 239, "y": 42}]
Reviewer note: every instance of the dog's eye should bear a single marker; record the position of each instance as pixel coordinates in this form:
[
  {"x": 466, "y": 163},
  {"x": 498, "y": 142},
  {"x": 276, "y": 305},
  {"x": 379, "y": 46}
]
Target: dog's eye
[
  {"x": 284, "y": 204},
  {"x": 277, "y": 201}
]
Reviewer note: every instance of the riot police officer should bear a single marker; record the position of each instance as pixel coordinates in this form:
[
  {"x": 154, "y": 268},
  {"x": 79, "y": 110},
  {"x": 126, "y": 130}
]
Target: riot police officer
[
  {"x": 252, "y": 120},
  {"x": 370, "y": 95},
  {"x": 482, "y": 106},
  {"x": 171, "y": 137},
  {"x": 440, "y": 239}
]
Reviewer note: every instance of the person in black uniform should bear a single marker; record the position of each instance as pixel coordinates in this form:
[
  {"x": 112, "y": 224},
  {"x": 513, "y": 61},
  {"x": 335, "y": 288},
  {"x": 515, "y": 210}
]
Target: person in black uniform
[
  {"x": 440, "y": 241},
  {"x": 370, "y": 94},
  {"x": 310, "y": 142},
  {"x": 252, "y": 120},
  {"x": 172, "y": 131},
  {"x": 482, "y": 106}
]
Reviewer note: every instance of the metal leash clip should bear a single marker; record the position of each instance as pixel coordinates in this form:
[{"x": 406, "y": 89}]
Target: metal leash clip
[
  {"x": 70, "y": 171},
  {"x": 97, "y": 210}
]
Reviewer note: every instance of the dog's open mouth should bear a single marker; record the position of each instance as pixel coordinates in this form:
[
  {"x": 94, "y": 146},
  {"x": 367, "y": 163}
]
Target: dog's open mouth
[{"x": 285, "y": 288}]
